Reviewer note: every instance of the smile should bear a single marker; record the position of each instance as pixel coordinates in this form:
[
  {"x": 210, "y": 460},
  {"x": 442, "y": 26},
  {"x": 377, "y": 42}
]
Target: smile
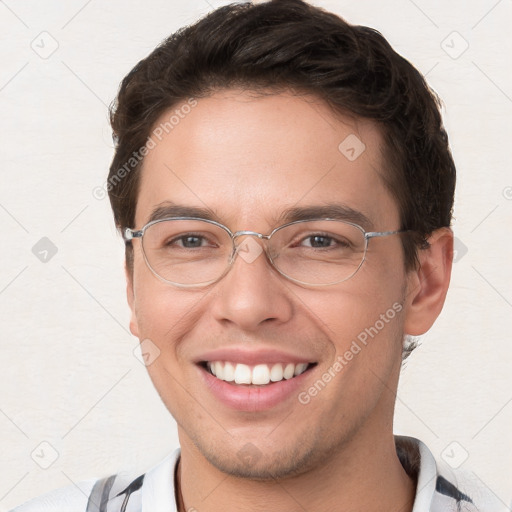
[
  {"x": 259, "y": 374},
  {"x": 254, "y": 380}
]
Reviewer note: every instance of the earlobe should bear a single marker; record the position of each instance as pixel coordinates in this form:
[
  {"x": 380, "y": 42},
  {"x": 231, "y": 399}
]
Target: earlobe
[
  {"x": 428, "y": 284},
  {"x": 130, "y": 296}
]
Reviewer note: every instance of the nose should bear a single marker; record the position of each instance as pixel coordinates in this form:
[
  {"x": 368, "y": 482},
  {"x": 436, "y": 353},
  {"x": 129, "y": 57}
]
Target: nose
[{"x": 252, "y": 293}]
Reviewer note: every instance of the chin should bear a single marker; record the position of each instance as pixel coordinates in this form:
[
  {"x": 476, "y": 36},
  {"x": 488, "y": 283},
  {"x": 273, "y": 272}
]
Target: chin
[{"x": 253, "y": 462}]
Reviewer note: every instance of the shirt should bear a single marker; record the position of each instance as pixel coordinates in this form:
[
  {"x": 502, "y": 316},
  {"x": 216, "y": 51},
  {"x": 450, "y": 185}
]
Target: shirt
[{"x": 438, "y": 488}]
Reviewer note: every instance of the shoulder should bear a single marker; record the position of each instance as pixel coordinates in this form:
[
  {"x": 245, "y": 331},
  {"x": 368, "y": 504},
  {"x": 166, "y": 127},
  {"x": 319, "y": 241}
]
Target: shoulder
[
  {"x": 441, "y": 488},
  {"x": 103, "y": 495},
  {"x": 122, "y": 491},
  {"x": 68, "y": 498},
  {"x": 464, "y": 491}
]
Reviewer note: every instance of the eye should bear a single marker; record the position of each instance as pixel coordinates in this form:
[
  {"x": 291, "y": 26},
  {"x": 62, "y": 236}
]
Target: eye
[
  {"x": 189, "y": 241},
  {"x": 319, "y": 241},
  {"x": 322, "y": 241}
]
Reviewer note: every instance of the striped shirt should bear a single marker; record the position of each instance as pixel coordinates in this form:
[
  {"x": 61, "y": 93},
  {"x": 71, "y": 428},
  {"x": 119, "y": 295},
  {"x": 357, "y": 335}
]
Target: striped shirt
[{"x": 438, "y": 488}]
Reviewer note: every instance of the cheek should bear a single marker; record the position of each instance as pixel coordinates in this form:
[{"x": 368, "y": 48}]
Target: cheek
[
  {"x": 353, "y": 306},
  {"x": 363, "y": 320},
  {"x": 165, "y": 316},
  {"x": 163, "y": 312},
  {"x": 363, "y": 327}
]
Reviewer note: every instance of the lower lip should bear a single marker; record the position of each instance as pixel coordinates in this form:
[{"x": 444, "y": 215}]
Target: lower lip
[{"x": 253, "y": 398}]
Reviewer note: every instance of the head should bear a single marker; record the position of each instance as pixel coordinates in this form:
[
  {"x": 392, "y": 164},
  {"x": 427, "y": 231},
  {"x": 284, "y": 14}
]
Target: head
[{"x": 245, "y": 115}]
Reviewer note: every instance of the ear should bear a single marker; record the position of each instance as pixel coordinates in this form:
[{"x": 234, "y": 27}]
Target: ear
[
  {"x": 427, "y": 285},
  {"x": 130, "y": 295}
]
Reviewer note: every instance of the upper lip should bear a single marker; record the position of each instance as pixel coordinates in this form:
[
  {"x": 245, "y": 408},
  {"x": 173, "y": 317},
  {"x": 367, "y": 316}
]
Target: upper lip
[{"x": 252, "y": 357}]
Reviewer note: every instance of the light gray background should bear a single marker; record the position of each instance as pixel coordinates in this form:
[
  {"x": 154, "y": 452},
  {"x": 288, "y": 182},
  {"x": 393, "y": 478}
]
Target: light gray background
[{"x": 68, "y": 374}]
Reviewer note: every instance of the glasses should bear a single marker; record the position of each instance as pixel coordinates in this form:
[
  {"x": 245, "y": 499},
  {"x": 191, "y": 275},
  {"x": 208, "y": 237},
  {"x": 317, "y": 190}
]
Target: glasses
[{"x": 190, "y": 252}]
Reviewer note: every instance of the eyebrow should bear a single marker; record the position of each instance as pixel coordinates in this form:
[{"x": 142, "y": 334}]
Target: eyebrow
[
  {"x": 168, "y": 209},
  {"x": 337, "y": 211}
]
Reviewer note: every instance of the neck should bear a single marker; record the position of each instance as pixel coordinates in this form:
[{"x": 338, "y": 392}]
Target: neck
[{"x": 363, "y": 476}]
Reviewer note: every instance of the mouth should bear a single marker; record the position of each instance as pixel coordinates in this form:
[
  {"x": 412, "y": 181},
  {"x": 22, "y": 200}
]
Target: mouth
[
  {"x": 255, "y": 386},
  {"x": 261, "y": 374}
]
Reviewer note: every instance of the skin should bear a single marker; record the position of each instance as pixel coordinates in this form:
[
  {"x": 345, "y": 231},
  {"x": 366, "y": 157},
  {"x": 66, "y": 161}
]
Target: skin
[{"x": 248, "y": 158}]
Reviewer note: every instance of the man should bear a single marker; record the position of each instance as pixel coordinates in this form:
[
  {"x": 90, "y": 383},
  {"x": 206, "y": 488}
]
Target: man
[{"x": 284, "y": 185}]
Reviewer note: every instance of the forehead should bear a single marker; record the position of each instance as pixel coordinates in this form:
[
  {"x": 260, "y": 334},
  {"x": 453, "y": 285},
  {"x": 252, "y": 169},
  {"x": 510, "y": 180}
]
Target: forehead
[{"x": 247, "y": 157}]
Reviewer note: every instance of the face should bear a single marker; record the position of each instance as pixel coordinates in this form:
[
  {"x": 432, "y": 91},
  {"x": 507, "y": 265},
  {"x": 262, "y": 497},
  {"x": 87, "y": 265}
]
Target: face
[{"x": 247, "y": 159}]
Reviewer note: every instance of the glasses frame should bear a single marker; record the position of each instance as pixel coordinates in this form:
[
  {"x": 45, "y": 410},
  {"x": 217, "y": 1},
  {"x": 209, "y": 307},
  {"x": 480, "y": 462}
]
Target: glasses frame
[{"x": 130, "y": 234}]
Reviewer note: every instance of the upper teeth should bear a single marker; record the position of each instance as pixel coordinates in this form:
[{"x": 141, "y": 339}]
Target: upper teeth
[{"x": 260, "y": 374}]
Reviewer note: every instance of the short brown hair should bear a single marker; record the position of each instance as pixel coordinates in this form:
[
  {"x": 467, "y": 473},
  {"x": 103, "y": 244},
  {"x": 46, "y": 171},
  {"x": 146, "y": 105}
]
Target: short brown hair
[{"x": 289, "y": 44}]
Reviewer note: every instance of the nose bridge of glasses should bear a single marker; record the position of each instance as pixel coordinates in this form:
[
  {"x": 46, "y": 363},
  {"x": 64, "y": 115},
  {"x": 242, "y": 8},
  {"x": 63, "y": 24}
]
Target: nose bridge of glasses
[
  {"x": 249, "y": 233},
  {"x": 248, "y": 248},
  {"x": 244, "y": 234}
]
